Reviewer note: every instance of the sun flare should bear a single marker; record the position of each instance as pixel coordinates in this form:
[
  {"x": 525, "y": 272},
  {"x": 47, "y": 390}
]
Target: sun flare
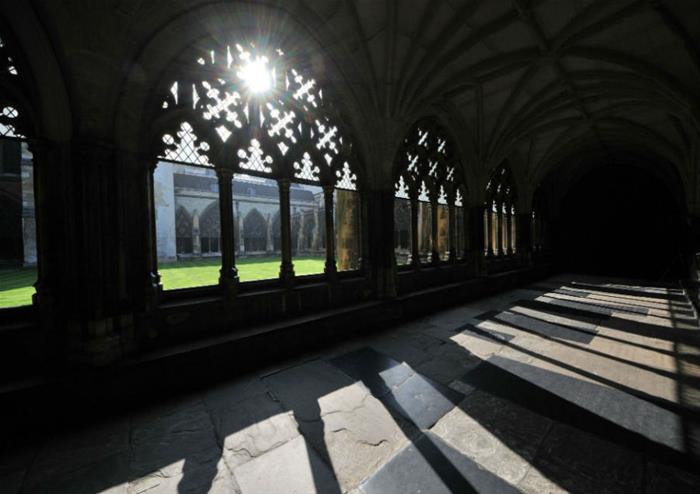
[{"x": 256, "y": 75}]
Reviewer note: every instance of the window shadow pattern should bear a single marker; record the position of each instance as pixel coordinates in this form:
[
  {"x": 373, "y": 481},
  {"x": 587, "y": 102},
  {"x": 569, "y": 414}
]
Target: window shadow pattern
[{"x": 278, "y": 422}]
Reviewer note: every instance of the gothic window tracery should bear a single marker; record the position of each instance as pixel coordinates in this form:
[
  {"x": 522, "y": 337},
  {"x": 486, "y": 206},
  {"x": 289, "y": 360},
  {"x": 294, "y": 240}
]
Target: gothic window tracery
[
  {"x": 19, "y": 253},
  {"x": 183, "y": 228},
  {"x": 245, "y": 100},
  {"x": 246, "y": 108},
  {"x": 429, "y": 176},
  {"x": 210, "y": 229},
  {"x": 255, "y": 228},
  {"x": 501, "y": 216}
]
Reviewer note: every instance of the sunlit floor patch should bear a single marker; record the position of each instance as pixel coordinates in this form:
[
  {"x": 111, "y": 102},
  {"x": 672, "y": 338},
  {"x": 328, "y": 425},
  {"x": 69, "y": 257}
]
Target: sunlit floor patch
[{"x": 520, "y": 392}]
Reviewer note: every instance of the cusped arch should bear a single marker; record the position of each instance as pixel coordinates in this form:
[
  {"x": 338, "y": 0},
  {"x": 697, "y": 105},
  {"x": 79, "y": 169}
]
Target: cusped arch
[
  {"x": 249, "y": 107},
  {"x": 222, "y": 23},
  {"x": 40, "y": 91},
  {"x": 209, "y": 221},
  {"x": 254, "y": 231},
  {"x": 254, "y": 224},
  {"x": 427, "y": 164}
]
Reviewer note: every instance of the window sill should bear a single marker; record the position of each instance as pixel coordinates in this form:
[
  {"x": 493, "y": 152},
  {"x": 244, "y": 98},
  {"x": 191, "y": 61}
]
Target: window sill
[{"x": 213, "y": 293}]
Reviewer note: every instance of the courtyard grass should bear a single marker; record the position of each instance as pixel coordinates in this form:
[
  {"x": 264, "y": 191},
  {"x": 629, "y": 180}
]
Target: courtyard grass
[
  {"x": 205, "y": 272},
  {"x": 16, "y": 286}
]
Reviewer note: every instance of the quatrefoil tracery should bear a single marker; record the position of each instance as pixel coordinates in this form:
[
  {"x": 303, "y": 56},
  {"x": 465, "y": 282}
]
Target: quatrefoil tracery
[
  {"x": 216, "y": 121},
  {"x": 427, "y": 165}
]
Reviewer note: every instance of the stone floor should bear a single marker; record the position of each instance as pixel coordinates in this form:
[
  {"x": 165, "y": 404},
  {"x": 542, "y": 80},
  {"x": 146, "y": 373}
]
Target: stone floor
[{"x": 571, "y": 385}]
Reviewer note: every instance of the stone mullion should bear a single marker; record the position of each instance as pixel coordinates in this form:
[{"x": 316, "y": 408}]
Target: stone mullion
[
  {"x": 488, "y": 241},
  {"x": 241, "y": 229},
  {"x": 46, "y": 272},
  {"x": 331, "y": 268},
  {"x": 195, "y": 235},
  {"x": 415, "y": 256},
  {"x": 300, "y": 234},
  {"x": 228, "y": 278},
  {"x": 153, "y": 286},
  {"x": 435, "y": 254},
  {"x": 286, "y": 268},
  {"x": 499, "y": 229}
]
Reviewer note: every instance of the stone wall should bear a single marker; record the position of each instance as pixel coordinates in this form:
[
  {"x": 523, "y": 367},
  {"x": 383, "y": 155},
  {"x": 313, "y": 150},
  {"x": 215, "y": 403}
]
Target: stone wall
[
  {"x": 164, "y": 205},
  {"x": 28, "y": 219}
]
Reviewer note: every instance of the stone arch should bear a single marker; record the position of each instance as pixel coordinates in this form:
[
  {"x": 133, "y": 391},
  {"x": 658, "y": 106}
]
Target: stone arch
[
  {"x": 310, "y": 223},
  {"x": 295, "y": 228},
  {"x": 254, "y": 231},
  {"x": 153, "y": 63},
  {"x": 43, "y": 95},
  {"x": 210, "y": 229},
  {"x": 183, "y": 231}
]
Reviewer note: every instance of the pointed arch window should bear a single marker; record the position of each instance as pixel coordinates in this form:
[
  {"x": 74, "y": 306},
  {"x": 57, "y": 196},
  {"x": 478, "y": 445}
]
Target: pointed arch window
[
  {"x": 183, "y": 228},
  {"x": 429, "y": 196},
  {"x": 501, "y": 215},
  {"x": 259, "y": 131},
  {"x": 19, "y": 253}
]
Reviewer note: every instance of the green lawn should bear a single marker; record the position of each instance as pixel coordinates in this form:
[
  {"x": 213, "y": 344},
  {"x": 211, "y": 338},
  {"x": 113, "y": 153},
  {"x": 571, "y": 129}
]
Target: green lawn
[
  {"x": 203, "y": 272},
  {"x": 16, "y": 286}
]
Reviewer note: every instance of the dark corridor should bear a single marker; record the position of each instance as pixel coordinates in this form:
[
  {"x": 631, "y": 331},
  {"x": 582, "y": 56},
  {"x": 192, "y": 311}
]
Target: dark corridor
[{"x": 621, "y": 220}]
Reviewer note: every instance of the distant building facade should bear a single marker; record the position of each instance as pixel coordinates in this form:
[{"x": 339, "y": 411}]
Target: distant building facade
[
  {"x": 17, "y": 220},
  {"x": 188, "y": 216}
]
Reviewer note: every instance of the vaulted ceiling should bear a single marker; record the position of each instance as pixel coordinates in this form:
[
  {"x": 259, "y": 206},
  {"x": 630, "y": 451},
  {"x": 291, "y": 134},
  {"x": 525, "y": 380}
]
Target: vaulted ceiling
[{"x": 535, "y": 82}]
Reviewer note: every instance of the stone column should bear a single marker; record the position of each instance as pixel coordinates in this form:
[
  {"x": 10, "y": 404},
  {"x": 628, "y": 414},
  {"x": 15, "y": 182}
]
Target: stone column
[
  {"x": 300, "y": 234},
  {"x": 488, "y": 234},
  {"x": 269, "y": 244},
  {"x": 93, "y": 337},
  {"x": 39, "y": 149},
  {"x": 435, "y": 255},
  {"x": 330, "y": 268},
  {"x": 415, "y": 256},
  {"x": 196, "y": 237},
  {"x": 509, "y": 233},
  {"x": 499, "y": 230},
  {"x": 286, "y": 268},
  {"x": 316, "y": 235},
  {"x": 241, "y": 229},
  {"x": 228, "y": 279},
  {"x": 153, "y": 286}
]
